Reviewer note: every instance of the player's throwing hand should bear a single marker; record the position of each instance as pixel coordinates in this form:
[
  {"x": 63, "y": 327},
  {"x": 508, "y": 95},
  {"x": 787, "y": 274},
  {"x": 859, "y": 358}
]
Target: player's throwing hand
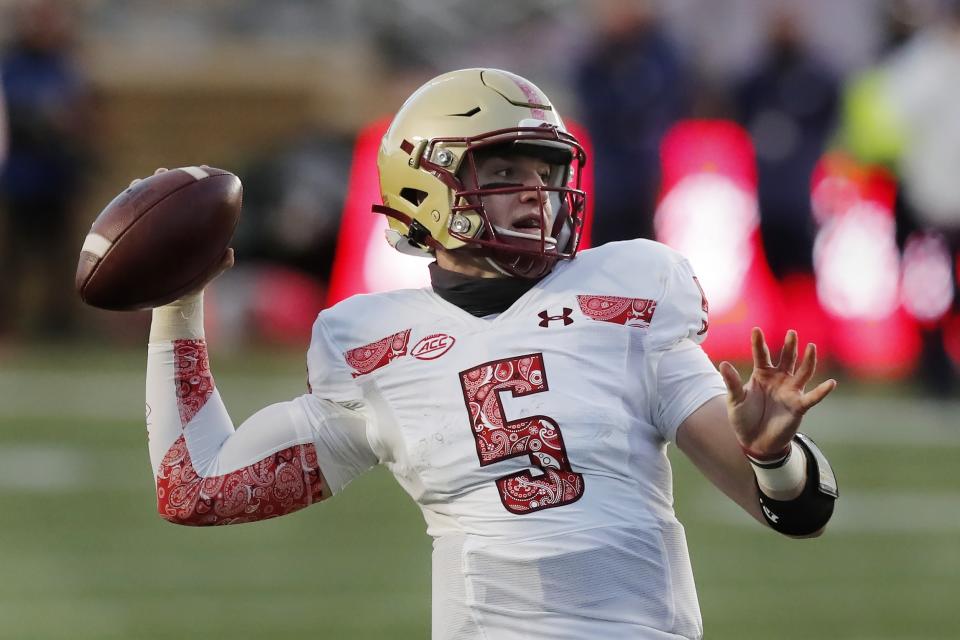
[{"x": 766, "y": 411}]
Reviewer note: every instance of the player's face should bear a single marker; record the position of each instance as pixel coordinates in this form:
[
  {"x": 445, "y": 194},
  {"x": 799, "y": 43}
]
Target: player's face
[
  {"x": 522, "y": 218},
  {"x": 519, "y": 217}
]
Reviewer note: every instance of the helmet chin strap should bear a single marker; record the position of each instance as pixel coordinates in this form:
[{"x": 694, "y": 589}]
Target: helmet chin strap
[
  {"x": 498, "y": 268},
  {"x": 520, "y": 266}
]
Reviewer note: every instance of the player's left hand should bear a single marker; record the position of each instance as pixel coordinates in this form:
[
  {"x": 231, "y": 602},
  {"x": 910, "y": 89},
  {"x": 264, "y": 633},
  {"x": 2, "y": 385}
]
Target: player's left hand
[{"x": 766, "y": 411}]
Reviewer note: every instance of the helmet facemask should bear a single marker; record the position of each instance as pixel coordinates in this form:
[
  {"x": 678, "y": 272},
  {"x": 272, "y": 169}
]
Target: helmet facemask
[{"x": 510, "y": 250}]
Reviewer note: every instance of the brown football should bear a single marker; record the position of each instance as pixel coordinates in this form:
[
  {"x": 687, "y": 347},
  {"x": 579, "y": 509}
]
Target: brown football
[{"x": 159, "y": 239}]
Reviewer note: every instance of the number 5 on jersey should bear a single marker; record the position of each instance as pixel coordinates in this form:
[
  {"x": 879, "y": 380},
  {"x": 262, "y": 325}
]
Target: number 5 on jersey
[{"x": 537, "y": 436}]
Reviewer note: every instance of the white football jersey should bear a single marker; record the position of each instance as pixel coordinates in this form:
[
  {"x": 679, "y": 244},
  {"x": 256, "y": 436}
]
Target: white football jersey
[{"x": 533, "y": 441}]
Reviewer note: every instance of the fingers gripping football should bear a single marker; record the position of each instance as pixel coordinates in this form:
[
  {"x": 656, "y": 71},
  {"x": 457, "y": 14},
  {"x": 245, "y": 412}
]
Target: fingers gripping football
[
  {"x": 158, "y": 171},
  {"x": 162, "y": 238},
  {"x": 767, "y": 410}
]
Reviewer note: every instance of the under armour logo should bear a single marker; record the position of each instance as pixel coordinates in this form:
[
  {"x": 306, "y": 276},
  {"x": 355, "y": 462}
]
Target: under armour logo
[
  {"x": 545, "y": 318},
  {"x": 774, "y": 518}
]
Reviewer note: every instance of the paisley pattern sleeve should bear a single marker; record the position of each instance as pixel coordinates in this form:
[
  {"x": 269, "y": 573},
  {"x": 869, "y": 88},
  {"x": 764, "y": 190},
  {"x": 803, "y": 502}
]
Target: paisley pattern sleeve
[
  {"x": 206, "y": 472},
  {"x": 278, "y": 484}
]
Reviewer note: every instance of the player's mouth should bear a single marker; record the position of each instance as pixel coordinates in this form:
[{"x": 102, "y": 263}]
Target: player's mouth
[
  {"x": 528, "y": 224},
  {"x": 527, "y": 230}
]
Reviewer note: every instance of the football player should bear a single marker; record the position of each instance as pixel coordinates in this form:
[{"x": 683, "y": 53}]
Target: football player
[{"x": 556, "y": 381}]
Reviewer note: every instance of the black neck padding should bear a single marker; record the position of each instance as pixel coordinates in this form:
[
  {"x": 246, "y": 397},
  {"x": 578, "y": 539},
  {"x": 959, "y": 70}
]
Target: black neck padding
[{"x": 478, "y": 296}]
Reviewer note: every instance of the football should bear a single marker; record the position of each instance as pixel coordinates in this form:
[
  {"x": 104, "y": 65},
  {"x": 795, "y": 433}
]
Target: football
[{"x": 159, "y": 239}]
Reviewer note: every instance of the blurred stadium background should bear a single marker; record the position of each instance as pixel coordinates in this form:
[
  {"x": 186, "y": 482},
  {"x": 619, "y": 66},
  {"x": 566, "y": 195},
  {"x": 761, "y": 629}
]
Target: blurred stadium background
[{"x": 804, "y": 155}]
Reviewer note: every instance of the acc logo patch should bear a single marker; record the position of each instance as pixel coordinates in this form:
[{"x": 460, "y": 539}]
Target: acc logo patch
[{"x": 433, "y": 346}]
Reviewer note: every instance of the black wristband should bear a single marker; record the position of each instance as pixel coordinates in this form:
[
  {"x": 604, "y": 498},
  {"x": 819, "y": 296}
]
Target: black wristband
[{"x": 811, "y": 510}]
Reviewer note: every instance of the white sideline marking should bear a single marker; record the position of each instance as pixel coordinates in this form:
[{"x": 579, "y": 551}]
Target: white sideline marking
[
  {"x": 196, "y": 172},
  {"x": 96, "y": 244},
  {"x": 27, "y": 468}
]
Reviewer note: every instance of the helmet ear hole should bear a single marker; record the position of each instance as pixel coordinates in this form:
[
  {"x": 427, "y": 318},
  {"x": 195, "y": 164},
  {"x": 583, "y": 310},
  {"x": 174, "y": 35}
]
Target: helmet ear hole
[{"x": 413, "y": 196}]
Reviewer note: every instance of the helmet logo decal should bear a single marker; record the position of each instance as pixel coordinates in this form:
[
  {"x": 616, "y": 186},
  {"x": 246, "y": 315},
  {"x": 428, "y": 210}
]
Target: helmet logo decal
[
  {"x": 536, "y": 110},
  {"x": 433, "y": 346}
]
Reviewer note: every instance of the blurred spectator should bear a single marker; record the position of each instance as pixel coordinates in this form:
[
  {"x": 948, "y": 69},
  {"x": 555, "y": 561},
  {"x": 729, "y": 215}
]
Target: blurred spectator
[
  {"x": 632, "y": 86},
  {"x": 789, "y": 105},
  {"x": 869, "y": 129},
  {"x": 47, "y": 109},
  {"x": 924, "y": 97},
  {"x": 902, "y": 114},
  {"x": 922, "y": 87}
]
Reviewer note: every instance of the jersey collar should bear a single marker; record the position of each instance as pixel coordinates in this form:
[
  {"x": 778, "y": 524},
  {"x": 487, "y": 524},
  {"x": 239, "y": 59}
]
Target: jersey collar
[{"x": 479, "y": 297}]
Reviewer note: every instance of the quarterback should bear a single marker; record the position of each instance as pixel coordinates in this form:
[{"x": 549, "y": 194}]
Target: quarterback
[{"x": 525, "y": 400}]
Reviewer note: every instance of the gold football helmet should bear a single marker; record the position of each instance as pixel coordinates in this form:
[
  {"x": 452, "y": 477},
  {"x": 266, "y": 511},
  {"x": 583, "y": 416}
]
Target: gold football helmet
[{"x": 431, "y": 146}]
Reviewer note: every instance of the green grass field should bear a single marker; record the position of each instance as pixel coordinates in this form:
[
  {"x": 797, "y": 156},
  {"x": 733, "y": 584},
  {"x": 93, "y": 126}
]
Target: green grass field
[{"x": 83, "y": 556}]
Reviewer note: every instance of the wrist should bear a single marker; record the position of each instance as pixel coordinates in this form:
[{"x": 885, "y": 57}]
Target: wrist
[
  {"x": 766, "y": 458},
  {"x": 179, "y": 320}
]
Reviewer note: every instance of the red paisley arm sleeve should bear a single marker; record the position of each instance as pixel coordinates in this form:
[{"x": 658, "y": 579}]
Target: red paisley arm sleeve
[
  {"x": 280, "y": 483},
  {"x": 206, "y": 472}
]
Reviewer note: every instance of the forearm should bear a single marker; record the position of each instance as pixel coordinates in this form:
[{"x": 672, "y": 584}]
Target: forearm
[
  {"x": 707, "y": 439},
  {"x": 794, "y": 497},
  {"x": 206, "y": 472}
]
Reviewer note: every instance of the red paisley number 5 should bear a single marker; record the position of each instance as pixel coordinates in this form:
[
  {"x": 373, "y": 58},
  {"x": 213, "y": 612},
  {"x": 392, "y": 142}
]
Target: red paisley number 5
[{"x": 537, "y": 436}]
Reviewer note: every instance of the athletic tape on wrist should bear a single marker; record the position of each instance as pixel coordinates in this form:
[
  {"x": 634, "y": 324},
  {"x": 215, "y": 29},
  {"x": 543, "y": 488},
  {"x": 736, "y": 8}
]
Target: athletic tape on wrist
[
  {"x": 781, "y": 476},
  {"x": 180, "y": 320}
]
